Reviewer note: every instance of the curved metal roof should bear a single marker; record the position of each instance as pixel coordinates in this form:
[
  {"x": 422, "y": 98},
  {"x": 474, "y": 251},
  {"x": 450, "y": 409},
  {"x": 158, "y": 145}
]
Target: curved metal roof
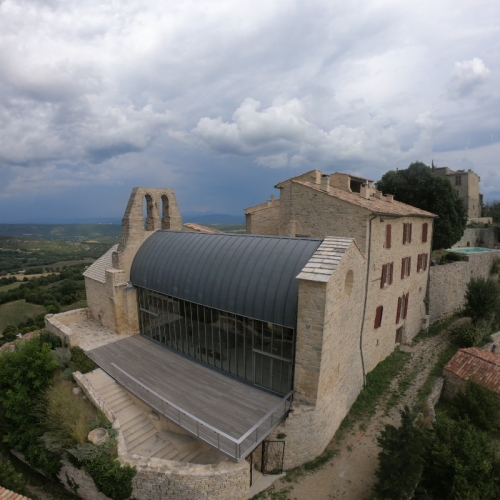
[{"x": 253, "y": 276}]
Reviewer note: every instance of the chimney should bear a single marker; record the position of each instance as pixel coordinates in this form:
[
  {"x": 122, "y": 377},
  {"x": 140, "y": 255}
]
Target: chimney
[
  {"x": 325, "y": 182},
  {"x": 318, "y": 176},
  {"x": 389, "y": 197},
  {"x": 270, "y": 202},
  {"x": 378, "y": 194},
  {"x": 365, "y": 191}
]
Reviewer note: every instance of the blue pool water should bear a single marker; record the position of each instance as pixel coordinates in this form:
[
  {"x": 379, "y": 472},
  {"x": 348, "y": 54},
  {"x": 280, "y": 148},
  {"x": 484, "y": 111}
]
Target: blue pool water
[{"x": 471, "y": 250}]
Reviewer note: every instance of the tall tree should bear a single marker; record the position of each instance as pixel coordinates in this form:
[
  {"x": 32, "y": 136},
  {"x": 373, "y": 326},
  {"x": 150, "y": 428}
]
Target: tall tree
[{"x": 418, "y": 186}]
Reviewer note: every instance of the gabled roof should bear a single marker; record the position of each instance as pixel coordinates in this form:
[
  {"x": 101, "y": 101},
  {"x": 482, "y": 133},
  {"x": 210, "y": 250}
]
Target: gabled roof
[
  {"x": 379, "y": 206},
  {"x": 326, "y": 259},
  {"x": 97, "y": 270},
  {"x": 192, "y": 226},
  {"x": 10, "y": 495},
  {"x": 476, "y": 364},
  {"x": 248, "y": 275}
]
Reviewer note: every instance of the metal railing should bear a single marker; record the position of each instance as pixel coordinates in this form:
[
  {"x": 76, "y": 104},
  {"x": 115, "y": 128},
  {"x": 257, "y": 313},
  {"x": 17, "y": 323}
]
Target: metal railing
[{"x": 235, "y": 448}]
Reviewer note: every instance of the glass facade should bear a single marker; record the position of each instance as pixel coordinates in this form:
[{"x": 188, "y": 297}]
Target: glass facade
[{"x": 258, "y": 352}]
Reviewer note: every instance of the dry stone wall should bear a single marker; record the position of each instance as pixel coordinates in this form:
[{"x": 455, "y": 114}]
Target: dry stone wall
[
  {"x": 448, "y": 282},
  {"x": 477, "y": 237}
]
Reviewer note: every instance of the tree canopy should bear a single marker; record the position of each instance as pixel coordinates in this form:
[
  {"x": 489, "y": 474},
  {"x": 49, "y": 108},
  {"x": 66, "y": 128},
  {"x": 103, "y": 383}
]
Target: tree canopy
[{"x": 419, "y": 187}]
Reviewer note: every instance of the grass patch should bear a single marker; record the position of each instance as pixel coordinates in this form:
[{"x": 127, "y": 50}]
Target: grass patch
[
  {"x": 377, "y": 383},
  {"x": 435, "y": 329},
  {"x": 436, "y": 372},
  {"x": 10, "y": 286},
  {"x": 319, "y": 461},
  {"x": 68, "y": 263},
  {"x": 273, "y": 494},
  {"x": 18, "y": 311}
]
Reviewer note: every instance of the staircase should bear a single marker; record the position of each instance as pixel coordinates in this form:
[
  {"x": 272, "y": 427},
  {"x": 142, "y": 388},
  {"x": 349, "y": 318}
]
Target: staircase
[{"x": 141, "y": 436}]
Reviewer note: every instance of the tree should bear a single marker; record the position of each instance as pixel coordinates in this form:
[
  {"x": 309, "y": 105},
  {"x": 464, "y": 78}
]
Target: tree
[
  {"x": 461, "y": 463},
  {"x": 419, "y": 187},
  {"x": 482, "y": 300},
  {"x": 403, "y": 445}
]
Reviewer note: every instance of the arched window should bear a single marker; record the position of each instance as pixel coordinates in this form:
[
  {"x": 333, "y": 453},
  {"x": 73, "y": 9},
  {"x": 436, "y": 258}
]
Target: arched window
[{"x": 149, "y": 216}]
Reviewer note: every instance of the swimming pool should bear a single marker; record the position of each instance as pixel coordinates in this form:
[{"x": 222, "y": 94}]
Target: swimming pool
[{"x": 470, "y": 250}]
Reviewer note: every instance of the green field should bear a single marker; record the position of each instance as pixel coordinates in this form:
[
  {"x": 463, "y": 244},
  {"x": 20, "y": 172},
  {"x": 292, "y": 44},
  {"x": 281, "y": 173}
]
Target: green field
[
  {"x": 18, "y": 311},
  {"x": 5, "y": 288}
]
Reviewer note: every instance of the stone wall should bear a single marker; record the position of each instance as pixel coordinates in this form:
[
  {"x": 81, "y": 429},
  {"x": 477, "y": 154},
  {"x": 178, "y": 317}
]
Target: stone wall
[
  {"x": 448, "y": 282},
  {"x": 264, "y": 219},
  {"x": 378, "y": 343},
  {"x": 477, "y": 237},
  {"x": 57, "y": 323},
  {"x": 328, "y": 375}
]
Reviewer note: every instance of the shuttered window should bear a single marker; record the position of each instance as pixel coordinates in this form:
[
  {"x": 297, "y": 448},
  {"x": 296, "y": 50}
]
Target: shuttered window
[
  {"x": 378, "y": 317},
  {"x": 388, "y": 230},
  {"x": 407, "y": 232},
  {"x": 422, "y": 261},
  {"x": 387, "y": 274},
  {"x": 398, "y": 311},
  {"x": 405, "y": 267},
  {"x": 425, "y": 229},
  {"x": 402, "y": 309},
  {"x": 407, "y": 296}
]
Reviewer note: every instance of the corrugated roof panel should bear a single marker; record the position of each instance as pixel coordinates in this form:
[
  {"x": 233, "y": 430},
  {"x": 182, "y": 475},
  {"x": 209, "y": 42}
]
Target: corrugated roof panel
[{"x": 249, "y": 275}]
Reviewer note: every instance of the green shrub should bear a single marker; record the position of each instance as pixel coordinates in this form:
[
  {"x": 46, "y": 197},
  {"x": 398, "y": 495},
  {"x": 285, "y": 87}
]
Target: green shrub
[
  {"x": 461, "y": 463},
  {"x": 480, "y": 405},
  {"x": 495, "y": 266},
  {"x": 401, "y": 459},
  {"x": 80, "y": 361},
  {"x": 62, "y": 355},
  {"x": 482, "y": 300},
  {"x": 110, "y": 477},
  {"x": 10, "y": 479},
  {"x": 471, "y": 335},
  {"x": 47, "y": 337},
  {"x": 24, "y": 374}
]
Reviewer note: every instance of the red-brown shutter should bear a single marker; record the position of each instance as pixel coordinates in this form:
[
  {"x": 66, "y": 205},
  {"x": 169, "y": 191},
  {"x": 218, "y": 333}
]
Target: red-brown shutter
[
  {"x": 404, "y": 233},
  {"x": 409, "y": 266},
  {"x": 419, "y": 262},
  {"x": 378, "y": 317},
  {"x": 388, "y": 236},
  {"x": 409, "y": 232},
  {"x": 406, "y": 304},
  {"x": 424, "y": 232},
  {"x": 402, "y": 268},
  {"x": 391, "y": 269},
  {"x": 398, "y": 312},
  {"x": 426, "y": 259},
  {"x": 384, "y": 276}
]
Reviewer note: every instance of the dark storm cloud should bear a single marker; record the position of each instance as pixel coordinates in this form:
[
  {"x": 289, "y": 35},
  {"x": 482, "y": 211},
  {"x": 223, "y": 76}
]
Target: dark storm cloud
[{"x": 220, "y": 100}]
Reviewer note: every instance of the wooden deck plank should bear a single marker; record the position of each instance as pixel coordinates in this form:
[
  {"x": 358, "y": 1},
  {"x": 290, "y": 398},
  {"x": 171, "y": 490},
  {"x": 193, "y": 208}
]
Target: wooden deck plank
[{"x": 225, "y": 403}]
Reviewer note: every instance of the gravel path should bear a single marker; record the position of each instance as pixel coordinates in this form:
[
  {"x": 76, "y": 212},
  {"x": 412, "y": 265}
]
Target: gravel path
[{"x": 350, "y": 474}]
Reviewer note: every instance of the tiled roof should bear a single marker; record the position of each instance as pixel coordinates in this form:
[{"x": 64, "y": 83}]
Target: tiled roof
[
  {"x": 375, "y": 205},
  {"x": 97, "y": 270},
  {"x": 10, "y": 495},
  {"x": 325, "y": 259},
  {"x": 191, "y": 226},
  {"x": 477, "y": 364}
]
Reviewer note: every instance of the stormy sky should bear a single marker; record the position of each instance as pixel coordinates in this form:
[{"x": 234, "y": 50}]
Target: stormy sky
[{"x": 220, "y": 100}]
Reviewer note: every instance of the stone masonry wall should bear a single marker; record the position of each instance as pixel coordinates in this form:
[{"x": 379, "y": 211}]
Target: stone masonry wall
[
  {"x": 54, "y": 323},
  {"x": 378, "y": 343},
  {"x": 264, "y": 220},
  {"x": 329, "y": 375},
  {"x": 477, "y": 237},
  {"x": 100, "y": 303},
  {"x": 448, "y": 282}
]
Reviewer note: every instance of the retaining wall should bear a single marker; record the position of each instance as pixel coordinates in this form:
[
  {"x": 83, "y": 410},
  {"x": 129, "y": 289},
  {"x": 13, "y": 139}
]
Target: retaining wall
[
  {"x": 448, "y": 282},
  {"x": 477, "y": 237}
]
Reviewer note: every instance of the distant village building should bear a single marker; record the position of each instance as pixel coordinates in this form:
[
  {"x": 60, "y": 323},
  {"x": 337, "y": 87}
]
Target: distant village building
[{"x": 466, "y": 184}]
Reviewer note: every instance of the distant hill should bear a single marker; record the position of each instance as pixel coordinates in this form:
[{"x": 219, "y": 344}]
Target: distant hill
[
  {"x": 68, "y": 232},
  {"x": 207, "y": 219}
]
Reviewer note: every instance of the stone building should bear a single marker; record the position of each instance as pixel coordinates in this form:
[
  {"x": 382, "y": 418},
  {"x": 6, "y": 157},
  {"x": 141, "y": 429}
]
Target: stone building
[
  {"x": 395, "y": 238},
  {"x": 239, "y": 339},
  {"x": 466, "y": 184},
  {"x": 473, "y": 363}
]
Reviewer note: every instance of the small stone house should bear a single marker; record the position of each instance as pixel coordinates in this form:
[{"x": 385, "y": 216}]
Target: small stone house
[
  {"x": 474, "y": 364},
  {"x": 394, "y": 237}
]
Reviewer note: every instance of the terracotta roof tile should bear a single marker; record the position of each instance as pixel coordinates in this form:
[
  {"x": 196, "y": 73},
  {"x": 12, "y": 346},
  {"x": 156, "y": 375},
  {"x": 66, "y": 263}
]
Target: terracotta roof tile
[
  {"x": 6, "y": 494},
  {"x": 375, "y": 205},
  {"x": 477, "y": 364}
]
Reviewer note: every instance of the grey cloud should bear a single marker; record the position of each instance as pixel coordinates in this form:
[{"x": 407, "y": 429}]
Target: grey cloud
[{"x": 469, "y": 78}]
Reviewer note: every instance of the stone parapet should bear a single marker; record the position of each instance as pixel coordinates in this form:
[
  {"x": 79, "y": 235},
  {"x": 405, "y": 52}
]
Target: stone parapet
[{"x": 59, "y": 324}]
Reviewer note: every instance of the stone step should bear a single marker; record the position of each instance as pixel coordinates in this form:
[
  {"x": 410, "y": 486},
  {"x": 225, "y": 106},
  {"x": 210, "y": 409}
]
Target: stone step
[
  {"x": 128, "y": 416},
  {"x": 135, "y": 444},
  {"x": 209, "y": 457},
  {"x": 155, "y": 446}
]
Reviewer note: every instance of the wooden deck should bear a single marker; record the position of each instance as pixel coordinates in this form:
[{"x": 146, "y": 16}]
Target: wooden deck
[{"x": 223, "y": 402}]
